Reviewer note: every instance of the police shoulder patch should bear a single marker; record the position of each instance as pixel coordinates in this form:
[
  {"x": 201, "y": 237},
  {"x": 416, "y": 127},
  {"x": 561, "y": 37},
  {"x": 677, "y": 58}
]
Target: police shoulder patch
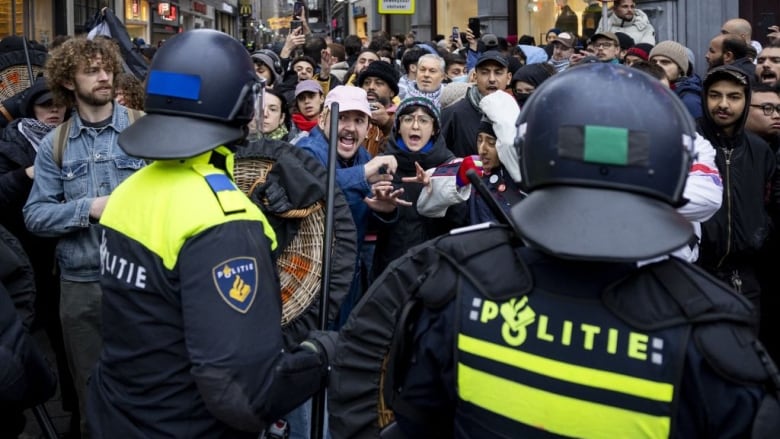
[{"x": 236, "y": 282}]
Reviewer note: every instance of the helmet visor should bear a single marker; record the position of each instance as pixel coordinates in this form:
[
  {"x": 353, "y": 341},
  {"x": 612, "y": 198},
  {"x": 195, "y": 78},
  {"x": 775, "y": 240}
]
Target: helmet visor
[{"x": 258, "y": 92}]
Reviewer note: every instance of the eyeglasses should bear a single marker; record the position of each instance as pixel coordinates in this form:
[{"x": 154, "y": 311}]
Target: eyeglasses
[
  {"x": 603, "y": 45},
  {"x": 423, "y": 121},
  {"x": 768, "y": 109}
]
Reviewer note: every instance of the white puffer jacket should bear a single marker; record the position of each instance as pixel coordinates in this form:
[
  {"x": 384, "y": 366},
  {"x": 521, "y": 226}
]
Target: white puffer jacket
[{"x": 639, "y": 28}]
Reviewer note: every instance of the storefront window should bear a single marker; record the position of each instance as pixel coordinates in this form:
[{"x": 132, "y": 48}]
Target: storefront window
[
  {"x": 137, "y": 18},
  {"x": 84, "y": 11},
  {"x": 577, "y": 16},
  {"x": 137, "y": 10},
  {"x": 11, "y": 17}
]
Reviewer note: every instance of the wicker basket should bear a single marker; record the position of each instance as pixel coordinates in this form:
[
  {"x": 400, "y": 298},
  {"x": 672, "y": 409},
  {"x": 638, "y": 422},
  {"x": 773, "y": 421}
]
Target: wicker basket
[
  {"x": 300, "y": 264},
  {"x": 14, "y": 76},
  {"x": 15, "y": 79}
]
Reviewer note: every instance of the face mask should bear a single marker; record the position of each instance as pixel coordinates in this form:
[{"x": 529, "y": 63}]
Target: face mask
[
  {"x": 521, "y": 98},
  {"x": 461, "y": 78}
]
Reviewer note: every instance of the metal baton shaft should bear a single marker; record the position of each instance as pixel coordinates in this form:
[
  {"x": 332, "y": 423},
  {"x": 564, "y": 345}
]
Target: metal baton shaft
[{"x": 318, "y": 401}]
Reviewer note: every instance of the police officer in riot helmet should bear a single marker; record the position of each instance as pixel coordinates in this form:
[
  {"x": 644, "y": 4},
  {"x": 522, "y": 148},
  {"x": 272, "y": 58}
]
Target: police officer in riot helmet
[
  {"x": 568, "y": 335},
  {"x": 192, "y": 342}
]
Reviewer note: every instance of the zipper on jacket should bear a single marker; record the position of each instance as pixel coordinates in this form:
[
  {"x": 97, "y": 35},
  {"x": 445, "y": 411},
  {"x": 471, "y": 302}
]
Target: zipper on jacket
[{"x": 727, "y": 153}]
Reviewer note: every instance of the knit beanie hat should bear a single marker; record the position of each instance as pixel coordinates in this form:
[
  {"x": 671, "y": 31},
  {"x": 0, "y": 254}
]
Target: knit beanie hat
[
  {"x": 691, "y": 60},
  {"x": 641, "y": 50},
  {"x": 453, "y": 92},
  {"x": 486, "y": 126},
  {"x": 405, "y": 107},
  {"x": 382, "y": 70},
  {"x": 626, "y": 42},
  {"x": 674, "y": 51},
  {"x": 533, "y": 74},
  {"x": 265, "y": 58}
]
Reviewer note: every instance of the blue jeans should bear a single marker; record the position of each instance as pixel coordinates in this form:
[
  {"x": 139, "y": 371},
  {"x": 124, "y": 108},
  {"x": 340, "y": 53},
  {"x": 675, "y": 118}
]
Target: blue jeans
[{"x": 299, "y": 421}]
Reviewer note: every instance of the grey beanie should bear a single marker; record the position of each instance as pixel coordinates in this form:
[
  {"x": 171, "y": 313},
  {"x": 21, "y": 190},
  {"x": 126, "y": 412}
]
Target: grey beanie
[
  {"x": 453, "y": 92},
  {"x": 674, "y": 51},
  {"x": 264, "y": 58}
]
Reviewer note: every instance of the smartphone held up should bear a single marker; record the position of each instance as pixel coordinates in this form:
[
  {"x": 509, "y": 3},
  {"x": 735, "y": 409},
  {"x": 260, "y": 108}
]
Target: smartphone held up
[
  {"x": 475, "y": 26},
  {"x": 298, "y": 9}
]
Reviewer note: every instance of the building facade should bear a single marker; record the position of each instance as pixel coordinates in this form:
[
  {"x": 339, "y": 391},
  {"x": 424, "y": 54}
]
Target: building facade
[
  {"x": 151, "y": 20},
  {"x": 691, "y": 22}
]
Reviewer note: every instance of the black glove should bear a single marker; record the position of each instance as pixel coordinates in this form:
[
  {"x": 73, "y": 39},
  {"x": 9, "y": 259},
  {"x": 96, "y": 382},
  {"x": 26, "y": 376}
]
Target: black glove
[
  {"x": 275, "y": 194},
  {"x": 322, "y": 342}
]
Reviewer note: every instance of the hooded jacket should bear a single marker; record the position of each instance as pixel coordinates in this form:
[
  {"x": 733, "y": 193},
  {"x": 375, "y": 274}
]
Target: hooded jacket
[
  {"x": 688, "y": 89},
  {"x": 747, "y": 165},
  {"x": 411, "y": 228},
  {"x": 639, "y": 28},
  {"x": 459, "y": 126}
]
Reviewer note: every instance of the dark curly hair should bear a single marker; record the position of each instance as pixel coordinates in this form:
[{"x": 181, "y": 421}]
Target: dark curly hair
[
  {"x": 133, "y": 90},
  {"x": 76, "y": 53}
]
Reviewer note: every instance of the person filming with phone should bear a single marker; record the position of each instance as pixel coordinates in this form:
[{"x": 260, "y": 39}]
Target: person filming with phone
[{"x": 299, "y": 28}]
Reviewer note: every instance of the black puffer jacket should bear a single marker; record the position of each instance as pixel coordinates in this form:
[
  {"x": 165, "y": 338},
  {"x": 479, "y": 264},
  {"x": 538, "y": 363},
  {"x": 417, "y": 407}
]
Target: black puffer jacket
[
  {"x": 16, "y": 154},
  {"x": 731, "y": 238},
  {"x": 410, "y": 228}
]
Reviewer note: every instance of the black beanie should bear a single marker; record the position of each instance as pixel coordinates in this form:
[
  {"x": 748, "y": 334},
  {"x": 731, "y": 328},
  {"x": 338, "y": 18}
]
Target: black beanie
[
  {"x": 626, "y": 42},
  {"x": 486, "y": 126},
  {"x": 382, "y": 70},
  {"x": 533, "y": 74}
]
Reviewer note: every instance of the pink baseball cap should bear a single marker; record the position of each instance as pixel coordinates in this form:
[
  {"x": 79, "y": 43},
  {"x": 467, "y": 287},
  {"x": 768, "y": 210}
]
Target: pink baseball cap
[{"x": 349, "y": 98}]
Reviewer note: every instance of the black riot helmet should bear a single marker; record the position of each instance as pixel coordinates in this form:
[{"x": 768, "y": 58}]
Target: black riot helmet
[
  {"x": 604, "y": 154},
  {"x": 201, "y": 93}
]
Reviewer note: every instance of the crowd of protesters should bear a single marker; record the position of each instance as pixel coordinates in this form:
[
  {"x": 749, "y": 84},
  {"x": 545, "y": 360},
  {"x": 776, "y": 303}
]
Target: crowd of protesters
[{"x": 423, "y": 112}]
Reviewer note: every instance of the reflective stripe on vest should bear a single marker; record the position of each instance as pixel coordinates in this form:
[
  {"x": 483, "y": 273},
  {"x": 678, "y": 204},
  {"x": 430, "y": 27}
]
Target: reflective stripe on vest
[{"x": 532, "y": 360}]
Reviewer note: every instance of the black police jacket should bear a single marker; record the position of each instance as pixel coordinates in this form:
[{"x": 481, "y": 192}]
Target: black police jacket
[{"x": 717, "y": 395}]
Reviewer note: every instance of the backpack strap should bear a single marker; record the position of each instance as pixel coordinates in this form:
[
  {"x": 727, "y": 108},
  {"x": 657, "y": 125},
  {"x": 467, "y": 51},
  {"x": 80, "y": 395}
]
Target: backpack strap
[
  {"x": 59, "y": 142},
  {"x": 133, "y": 115},
  {"x": 62, "y": 132}
]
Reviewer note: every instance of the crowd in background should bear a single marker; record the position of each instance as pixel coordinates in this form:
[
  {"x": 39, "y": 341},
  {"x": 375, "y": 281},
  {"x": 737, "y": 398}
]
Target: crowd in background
[{"x": 426, "y": 112}]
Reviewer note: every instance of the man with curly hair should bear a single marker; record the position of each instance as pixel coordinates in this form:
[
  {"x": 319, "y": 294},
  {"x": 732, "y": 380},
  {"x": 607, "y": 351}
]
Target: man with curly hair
[
  {"x": 128, "y": 91},
  {"x": 72, "y": 183}
]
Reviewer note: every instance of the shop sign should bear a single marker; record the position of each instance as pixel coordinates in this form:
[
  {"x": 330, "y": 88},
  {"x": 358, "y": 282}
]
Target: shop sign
[
  {"x": 200, "y": 7},
  {"x": 279, "y": 23},
  {"x": 396, "y": 6}
]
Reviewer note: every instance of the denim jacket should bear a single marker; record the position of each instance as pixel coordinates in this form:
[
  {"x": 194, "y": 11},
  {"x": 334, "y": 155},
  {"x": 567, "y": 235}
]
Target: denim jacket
[
  {"x": 93, "y": 164},
  {"x": 351, "y": 180}
]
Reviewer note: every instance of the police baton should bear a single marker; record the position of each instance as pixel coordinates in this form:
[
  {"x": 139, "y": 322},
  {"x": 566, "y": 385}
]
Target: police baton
[
  {"x": 318, "y": 401},
  {"x": 27, "y": 59},
  {"x": 44, "y": 421}
]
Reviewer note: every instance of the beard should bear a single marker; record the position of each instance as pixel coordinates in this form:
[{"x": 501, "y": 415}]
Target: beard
[
  {"x": 92, "y": 97},
  {"x": 716, "y": 62}
]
